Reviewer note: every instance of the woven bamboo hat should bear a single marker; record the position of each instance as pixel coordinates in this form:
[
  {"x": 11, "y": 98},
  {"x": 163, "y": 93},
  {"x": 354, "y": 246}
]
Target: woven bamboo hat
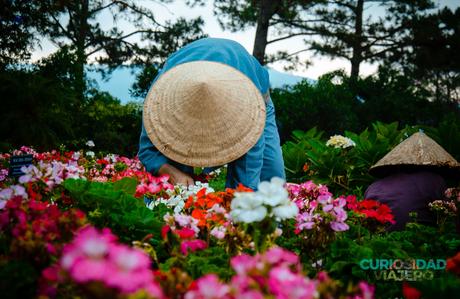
[
  {"x": 204, "y": 113},
  {"x": 417, "y": 151}
]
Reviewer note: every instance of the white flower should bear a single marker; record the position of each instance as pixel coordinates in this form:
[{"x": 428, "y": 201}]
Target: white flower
[
  {"x": 90, "y": 154},
  {"x": 339, "y": 141},
  {"x": 318, "y": 263},
  {"x": 90, "y": 143},
  {"x": 247, "y": 207},
  {"x": 287, "y": 211},
  {"x": 248, "y": 216},
  {"x": 273, "y": 192}
]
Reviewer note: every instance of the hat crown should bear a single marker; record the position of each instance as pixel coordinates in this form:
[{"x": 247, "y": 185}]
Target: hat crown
[
  {"x": 201, "y": 98},
  {"x": 204, "y": 113}
]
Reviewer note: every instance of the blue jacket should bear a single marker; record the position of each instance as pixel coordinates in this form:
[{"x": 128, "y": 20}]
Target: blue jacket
[{"x": 248, "y": 169}]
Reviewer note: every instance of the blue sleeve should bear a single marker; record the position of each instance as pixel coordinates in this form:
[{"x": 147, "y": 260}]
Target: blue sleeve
[
  {"x": 150, "y": 157},
  {"x": 247, "y": 169}
]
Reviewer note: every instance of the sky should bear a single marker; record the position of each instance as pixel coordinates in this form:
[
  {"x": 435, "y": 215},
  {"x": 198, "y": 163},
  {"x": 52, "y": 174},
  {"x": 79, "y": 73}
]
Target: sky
[{"x": 319, "y": 65}]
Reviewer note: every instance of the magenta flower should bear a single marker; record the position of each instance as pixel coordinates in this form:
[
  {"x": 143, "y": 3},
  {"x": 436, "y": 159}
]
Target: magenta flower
[
  {"x": 367, "y": 290},
  {"x": 242, "y": 263},
  {"x": 209, "y": 287},
  {"x": 85, "y": 257},
  {"x": 279, "y": 256},
  {"x": 250, "y": 294},
  {"x": 285, "y": 284},
  {"x": 192, "y": 245},
  {"x": 129, "y": 268},
  {"x": 96, "y": 256}
]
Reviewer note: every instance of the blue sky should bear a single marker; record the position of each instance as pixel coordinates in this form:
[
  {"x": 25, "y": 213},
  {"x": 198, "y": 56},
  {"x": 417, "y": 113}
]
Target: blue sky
[{"x": 318, "y": 65}]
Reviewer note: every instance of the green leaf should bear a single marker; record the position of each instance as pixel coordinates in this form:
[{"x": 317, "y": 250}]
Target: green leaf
[{"x": 127, "y": 185}]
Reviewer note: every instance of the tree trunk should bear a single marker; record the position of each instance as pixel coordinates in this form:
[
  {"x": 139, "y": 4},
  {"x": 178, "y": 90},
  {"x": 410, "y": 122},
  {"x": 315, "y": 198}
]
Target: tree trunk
[
  {"x": 357, "y": 58},
  {"x": 81, "y": 22},
  {"x": 267, "y": 8}
]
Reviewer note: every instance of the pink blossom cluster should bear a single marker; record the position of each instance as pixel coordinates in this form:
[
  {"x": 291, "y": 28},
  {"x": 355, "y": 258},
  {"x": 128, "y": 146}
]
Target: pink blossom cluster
[
  {"x": 112, "y": 168},
  {"x": 52, "y": 173},
  {"x": 10, "y": 192},
  {"x": 318, "y": 209},
  {"x": 276, "y": 273},
  {"x": 3, "y": 174},
  {"x": 150, "y": 185},
  {"x": 50, "y": 169},
  {"x": 186, "y": 228},
  {"x": 95, "y": 256},
  {"x": 24, "y": 150}
]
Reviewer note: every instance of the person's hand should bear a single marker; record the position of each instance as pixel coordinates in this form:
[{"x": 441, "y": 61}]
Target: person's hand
[{"x": 175, "y": 175}]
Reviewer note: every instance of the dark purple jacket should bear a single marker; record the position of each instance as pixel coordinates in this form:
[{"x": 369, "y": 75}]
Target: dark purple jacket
[{"x": 408, "y": 192}]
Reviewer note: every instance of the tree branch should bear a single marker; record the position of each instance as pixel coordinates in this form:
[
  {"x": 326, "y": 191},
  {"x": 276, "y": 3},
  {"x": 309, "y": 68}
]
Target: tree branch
[{"x": 286, "y": 37}]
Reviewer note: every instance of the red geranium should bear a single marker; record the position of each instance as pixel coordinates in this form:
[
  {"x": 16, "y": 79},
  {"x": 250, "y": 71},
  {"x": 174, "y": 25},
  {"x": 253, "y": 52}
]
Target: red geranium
[
  {"x": 453, "y": 264},
  {"x": 410, "y": 292},
  {"x": 371, "y": 209}
]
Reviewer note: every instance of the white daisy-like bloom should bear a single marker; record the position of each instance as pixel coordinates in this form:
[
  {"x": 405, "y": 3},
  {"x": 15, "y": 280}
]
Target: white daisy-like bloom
[
  {"x": 339, "y": 141},
  {"x": 273, "y": 192},
  {"x": 247, "y": 207},
  {"x": 90, "y": 143}
]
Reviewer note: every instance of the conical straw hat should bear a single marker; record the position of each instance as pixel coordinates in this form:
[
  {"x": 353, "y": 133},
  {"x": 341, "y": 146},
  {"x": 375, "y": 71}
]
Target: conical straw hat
[
  {"x": 419, "y": 150},
  {"x": 204, "y": 113}
]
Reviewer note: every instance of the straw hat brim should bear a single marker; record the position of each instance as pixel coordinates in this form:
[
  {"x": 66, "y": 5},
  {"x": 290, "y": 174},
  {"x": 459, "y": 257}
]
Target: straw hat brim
[
  {"x": 416, "y": 152},
  {"x": 204, "y": 114}
]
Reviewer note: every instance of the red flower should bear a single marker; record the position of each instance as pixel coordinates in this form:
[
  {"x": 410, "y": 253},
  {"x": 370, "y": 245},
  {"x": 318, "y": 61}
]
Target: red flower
[
  {"x": 410, "y": 292},
  {"x": 369, "y": 204},
  {"x": 185, "y": 233},
  {"x": 164, "y": 231},
  {"x": 453, "y": 264},
  {"x": 372, "y": 209}
]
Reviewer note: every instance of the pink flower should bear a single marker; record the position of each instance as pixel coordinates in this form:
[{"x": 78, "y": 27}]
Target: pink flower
[
  {"x": 85, "y": 257},
  {"x": 96, "y": 256},
  {"x": 250, "y": 294},
  {"x": 285, "y": 284},
  {"x": 129, "y": 268},
  {"x": 243, "y": 263},
  {"x": 367, "y": 290},
  {"x": 339, "y": 226},
  {"x": 193, "y": 246},
  {"x": 218, "y": 232},
  {"x": 279, "y": 256},
  {"x": 209, "y": 287},
  {"x": 324, "y": 198}
]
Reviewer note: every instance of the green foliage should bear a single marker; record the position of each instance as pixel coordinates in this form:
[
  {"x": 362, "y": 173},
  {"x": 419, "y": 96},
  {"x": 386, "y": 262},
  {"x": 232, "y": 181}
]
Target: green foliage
[
  {"x": 333, "y": 106},
  {"x": 347, "y": 170},
  {"x": 323, "y": 104},
  {"x": 211, "y": 260},
  {"x": 18, "y": 279},
  {"x": 114, "y": 206},
  {"x": 35, "y": 110},
  {"x": 118, "y": 126},
  {"x": 415, "y": 242}
]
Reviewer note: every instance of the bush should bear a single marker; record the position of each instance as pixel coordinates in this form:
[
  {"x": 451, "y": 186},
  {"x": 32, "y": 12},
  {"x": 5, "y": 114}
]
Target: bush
[
  {"x": 334, "y": 105},
  {"x": 346, "y": 170}
]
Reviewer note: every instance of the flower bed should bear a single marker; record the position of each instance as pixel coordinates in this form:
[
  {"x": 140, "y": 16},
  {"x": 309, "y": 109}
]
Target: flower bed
[{"x": 99, "y": 226}]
